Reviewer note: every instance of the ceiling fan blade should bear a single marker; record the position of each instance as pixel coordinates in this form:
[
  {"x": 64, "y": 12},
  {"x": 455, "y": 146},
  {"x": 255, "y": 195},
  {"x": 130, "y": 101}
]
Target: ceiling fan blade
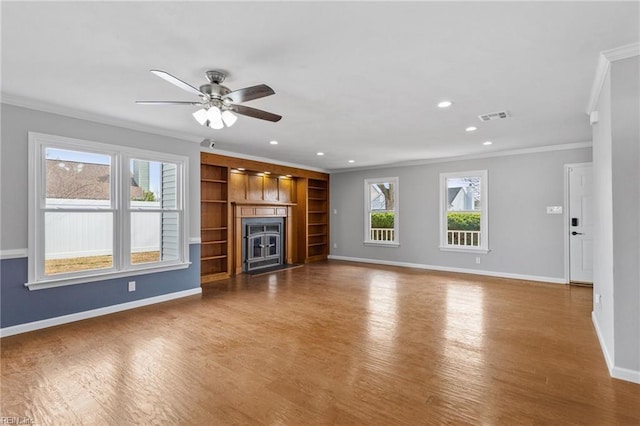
[
  {"x": 177, "y": 82},
  {"x": 250, "y": 93},
  {"x": 168, "y": 103},
  {"x": 255, "y": 113}
]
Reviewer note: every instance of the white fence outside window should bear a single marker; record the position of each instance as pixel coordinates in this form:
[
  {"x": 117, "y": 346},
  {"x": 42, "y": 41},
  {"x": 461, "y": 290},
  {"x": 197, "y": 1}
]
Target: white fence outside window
[
  {"x": 87, "y": 234},
  {"x": 382, "y": 234},
  {"x": 463, "y": 238}
]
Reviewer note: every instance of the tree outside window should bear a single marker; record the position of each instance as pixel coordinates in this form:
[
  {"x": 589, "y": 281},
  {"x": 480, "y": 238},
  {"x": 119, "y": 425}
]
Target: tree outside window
[{"x": 381, "y": 221}]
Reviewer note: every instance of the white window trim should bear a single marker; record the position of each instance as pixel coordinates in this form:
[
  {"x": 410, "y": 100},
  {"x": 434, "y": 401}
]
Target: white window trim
[
  {"x": 484, "y": 212},
  {"x": 119, "y": 173},
  {"x": 367, "y": 212}
]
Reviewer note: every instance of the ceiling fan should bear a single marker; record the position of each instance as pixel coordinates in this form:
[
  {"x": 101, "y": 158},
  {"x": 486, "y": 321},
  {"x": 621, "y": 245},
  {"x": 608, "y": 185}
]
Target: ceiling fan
[{"x": 218, "y": 102}]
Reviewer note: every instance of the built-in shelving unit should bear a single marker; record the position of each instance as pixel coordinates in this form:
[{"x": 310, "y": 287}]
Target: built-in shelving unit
[
  {"x": 214, "y": 221},
  {"x": 317, "y": 219},
  {"x": 235, "y": 188}
]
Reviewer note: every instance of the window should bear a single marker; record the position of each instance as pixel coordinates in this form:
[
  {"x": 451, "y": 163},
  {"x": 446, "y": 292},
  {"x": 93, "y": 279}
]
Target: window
[
  {"x": 98, "y": 210},
  {"x": 463, "y": 217},
  {"x": 381, "y": 211}
]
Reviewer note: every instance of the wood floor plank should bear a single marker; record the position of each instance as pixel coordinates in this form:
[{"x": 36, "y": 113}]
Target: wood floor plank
[{"x": 328, "y": 343}]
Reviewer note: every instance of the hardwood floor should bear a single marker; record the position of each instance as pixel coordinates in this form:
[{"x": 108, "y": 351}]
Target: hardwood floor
[{"x": 329, "y": 343}]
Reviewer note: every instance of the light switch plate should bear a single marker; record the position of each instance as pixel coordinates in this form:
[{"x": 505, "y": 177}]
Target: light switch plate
[{"x": 554, "y": 209}]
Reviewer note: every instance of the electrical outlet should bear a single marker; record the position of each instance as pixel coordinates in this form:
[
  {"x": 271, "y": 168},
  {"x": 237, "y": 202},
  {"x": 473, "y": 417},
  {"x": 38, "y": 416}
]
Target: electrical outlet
[
  {"x": 335, "y": 245},
  {"x": 478, "y": 260},
  {"x": 132, "y": 286},
  {"x": 597, "y": 298},
  {"x": 335, "y": 211}
]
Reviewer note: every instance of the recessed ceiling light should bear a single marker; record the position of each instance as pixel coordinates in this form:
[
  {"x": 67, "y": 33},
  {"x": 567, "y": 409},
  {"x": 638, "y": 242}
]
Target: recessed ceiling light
[
  {"x": 352, "y": 161},
  {"x": 471, "y": 129},
  {"x": 445, "y": 104},
  {"x": 267, "y": 173},
  {"x": 289, "y": 176},
  {"x": 273, "y": 142},
  {"x": 487, "y": 143},
  {"x": 320, "y": 154}
]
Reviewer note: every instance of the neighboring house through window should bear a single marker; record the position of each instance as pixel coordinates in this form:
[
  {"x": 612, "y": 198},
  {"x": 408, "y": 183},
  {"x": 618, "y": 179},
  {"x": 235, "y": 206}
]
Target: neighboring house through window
[
  {"x": 463, "y": 211},
  {"x": 98, "y": 209},
  {"x": 381, "y": 211}
]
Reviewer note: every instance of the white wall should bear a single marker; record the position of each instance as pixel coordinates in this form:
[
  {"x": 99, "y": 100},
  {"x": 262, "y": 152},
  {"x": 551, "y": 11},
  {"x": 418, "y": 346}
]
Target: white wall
[
  {"x": 616, "y": 140},
  {"x": 524, "y": 239},
  {"x": 625, "y": 136},
  {"x": 603, "y": 222}
]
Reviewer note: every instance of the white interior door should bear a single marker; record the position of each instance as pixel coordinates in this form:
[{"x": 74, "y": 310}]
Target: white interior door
[{"x": 581, "y": 223}]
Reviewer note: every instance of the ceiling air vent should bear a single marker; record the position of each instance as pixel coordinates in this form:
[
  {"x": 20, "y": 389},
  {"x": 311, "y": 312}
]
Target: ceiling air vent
[{"x": 494, "y": 116}]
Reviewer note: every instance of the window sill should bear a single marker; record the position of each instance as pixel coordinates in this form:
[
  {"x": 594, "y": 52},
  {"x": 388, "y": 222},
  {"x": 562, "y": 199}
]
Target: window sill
[
  {"x": 381, "y": 244},
  {"x": 465, "y": 249},
  {"x": 61, "y": 282}
]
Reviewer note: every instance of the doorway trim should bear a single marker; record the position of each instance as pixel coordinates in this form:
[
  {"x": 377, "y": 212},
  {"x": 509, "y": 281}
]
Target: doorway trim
[{"x": 565, "y": 216}]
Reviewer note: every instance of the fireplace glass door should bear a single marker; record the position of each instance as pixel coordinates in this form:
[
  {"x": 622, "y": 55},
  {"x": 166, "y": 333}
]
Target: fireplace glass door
[{"x": 263, "y": 245}]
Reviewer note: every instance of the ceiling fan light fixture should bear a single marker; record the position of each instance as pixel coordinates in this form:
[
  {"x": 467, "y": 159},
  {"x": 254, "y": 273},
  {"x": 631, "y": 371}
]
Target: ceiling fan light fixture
[
  {"x": 201, "y": 116},
  {"x": 229, "y": 118},
  {"x": 215, "y": 124},
  {"x": 215, "y": 118}
]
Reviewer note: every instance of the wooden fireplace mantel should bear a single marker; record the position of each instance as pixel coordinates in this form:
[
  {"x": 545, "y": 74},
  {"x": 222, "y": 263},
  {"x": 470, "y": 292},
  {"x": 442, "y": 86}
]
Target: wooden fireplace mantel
[{"x": 243, "y": 210}]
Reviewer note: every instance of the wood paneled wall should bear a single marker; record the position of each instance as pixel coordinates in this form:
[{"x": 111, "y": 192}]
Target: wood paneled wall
[
  {"x": 285, "y": 187},
  {"x": 247, "y": 186}
]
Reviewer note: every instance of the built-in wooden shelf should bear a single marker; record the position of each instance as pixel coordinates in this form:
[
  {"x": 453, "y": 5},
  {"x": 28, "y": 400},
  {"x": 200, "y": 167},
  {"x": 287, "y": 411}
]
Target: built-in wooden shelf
[
  {"x": 317, "y": 215},
  {"x": 222, "y": 256},
  {"x": 214, "y": 220}
]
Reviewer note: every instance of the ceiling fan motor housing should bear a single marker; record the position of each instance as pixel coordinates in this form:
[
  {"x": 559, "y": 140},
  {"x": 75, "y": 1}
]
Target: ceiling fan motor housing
[{"x": 214, "y": 90}]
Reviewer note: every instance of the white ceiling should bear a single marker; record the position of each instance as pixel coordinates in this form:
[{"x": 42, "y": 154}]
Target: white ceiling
[{"x": 356, "y": 80}]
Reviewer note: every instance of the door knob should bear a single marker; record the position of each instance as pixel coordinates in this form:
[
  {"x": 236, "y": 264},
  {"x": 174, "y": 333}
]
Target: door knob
[{"x": 576, "y": 233}]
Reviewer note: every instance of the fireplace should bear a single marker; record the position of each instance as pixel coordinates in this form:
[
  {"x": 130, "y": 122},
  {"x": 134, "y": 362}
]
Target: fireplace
[{"x": 263, "y": 243}]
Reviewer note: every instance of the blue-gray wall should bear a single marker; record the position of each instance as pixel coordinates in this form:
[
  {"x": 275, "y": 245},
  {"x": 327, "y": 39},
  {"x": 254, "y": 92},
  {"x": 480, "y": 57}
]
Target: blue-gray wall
[{"x": 18, "y": 305}]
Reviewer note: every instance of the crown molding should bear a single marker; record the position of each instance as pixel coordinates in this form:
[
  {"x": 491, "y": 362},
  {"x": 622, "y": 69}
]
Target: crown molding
[
  {"x": 24, "y": 102},
  {"x": 604, "y": 64},
  {"x": 264, "y": 160},
  {"x": 520, "y": 151}
]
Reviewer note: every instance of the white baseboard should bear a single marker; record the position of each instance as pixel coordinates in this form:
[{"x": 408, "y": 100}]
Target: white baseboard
[
  {"x": 632, "y": 376},
  {"x": 65, "y": 319},
  {"x": 603, "y": 346},
  {"x": 615, "y": 372},
  {"x": 452, "y": 269}
]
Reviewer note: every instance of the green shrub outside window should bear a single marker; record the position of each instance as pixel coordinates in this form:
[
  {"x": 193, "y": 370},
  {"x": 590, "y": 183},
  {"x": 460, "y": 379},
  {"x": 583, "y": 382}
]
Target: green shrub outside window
[
  {"x": 382, "y": 220},
  {"x": 463, "y": 221}
]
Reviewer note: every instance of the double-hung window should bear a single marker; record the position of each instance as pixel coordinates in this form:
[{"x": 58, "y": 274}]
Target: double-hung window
[
  {"x": 463, "y": 211},
  {"x": 101, "y": 211},
  {"x": 381, "y": 211}
]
